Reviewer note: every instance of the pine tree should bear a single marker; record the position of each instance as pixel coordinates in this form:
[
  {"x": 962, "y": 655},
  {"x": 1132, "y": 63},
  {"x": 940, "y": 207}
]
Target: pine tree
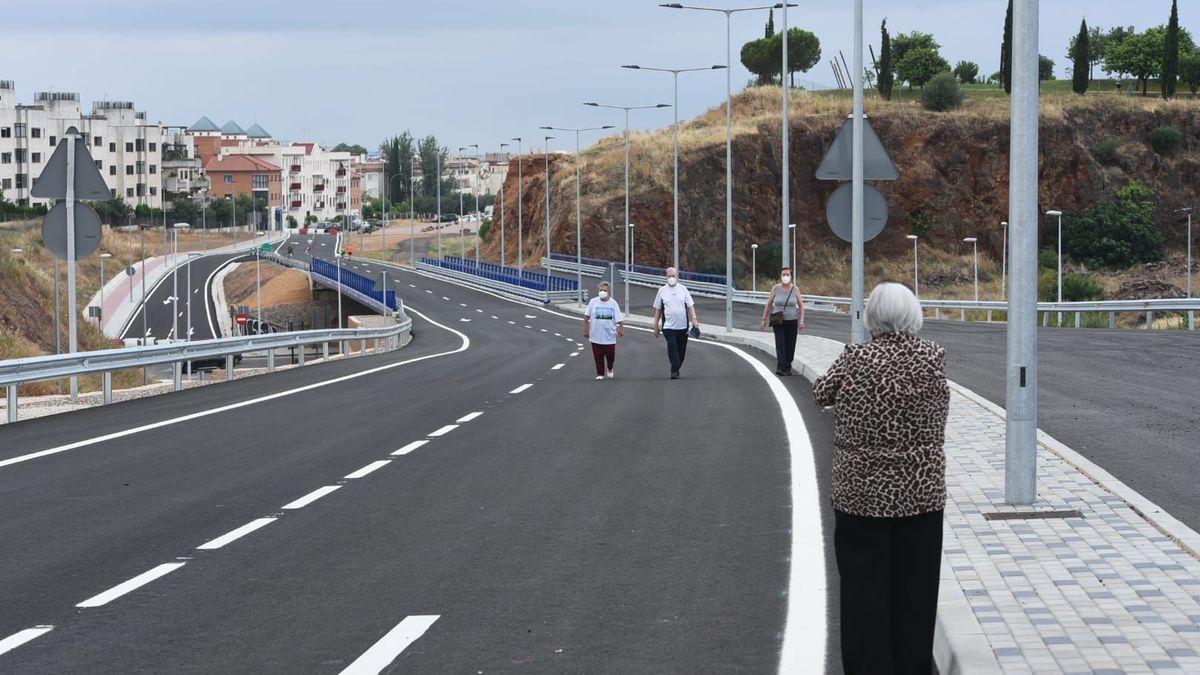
[
  {"x": 1006, "y": 51},
  {"x": 1171, "y": 57},
  {"x": 1080, "y": 63},
  {"x": 886, "y": 76},
  {"x": 770, "y": 31}
]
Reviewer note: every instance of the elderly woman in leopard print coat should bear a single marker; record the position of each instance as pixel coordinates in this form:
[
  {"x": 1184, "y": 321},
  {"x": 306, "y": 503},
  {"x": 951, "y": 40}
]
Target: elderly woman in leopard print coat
[{"x": 889, "y": 487}]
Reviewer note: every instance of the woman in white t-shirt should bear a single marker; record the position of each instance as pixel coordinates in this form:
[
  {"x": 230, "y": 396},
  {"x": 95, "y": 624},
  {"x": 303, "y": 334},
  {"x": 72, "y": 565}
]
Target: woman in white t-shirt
[{"x": 603, "y": 323}]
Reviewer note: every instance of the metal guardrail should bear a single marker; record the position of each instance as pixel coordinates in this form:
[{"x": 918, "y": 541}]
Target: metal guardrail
[
  {"x": 18, "y": 371},
  {"x": 636, "y": 277},
  {"x": 499, "y": 286}
]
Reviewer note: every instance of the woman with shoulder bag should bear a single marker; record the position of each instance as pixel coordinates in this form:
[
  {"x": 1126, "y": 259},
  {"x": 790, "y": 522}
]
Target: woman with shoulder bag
[{"x": 784, "y": 313}]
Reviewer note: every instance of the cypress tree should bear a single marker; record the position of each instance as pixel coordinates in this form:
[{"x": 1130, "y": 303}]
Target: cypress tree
[
  {"x": 770, "y": 31},
  {"x": 1006, "y": 51},
  {"x": 1079, "y": 60},
  {"x": 1171, "y": 58},
  {"x": 886, "y": 76}
]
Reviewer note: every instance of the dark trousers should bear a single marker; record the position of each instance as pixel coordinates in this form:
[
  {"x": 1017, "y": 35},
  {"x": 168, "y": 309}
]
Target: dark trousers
[
  {"x": 785, "y": 343},
  {"x": 602, "y": 354},
  {"x": 889, "y": 570},
  {"x": 676, "y": 346}
]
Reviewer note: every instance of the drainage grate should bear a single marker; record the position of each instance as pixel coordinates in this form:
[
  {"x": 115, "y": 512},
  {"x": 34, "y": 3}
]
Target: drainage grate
[{"x": 1033, "y": 515}]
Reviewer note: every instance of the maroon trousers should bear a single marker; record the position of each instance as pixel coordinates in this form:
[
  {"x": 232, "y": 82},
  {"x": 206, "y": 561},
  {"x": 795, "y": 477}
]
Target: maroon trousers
[{"x": 602, "y": 354}]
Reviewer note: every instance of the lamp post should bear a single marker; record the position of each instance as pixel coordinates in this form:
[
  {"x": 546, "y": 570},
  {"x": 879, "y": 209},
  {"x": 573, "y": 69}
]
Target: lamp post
[
  {"x": 916, "y": 268},
  {"x": 520, "y": 214},
  {"x": 462, "y": 238},
  {"x": 386, "y": 220},
  {"x": 502, "y": 260},
  {"x": 753, "y": 267},
  {"x": 626, "y": 221},
  {"x": 1191, "y": 313},
  {"x": 578, "y": 208},
  {"x": 1004, "y": 263},
  {"x": 412, "y": 215},
  {"x": 631, "y": 246},
  {"x": 548, "y": 139},
  {"x": 974, "y": 242},
  {"x": 728, "y": 148},
  {"x": 338, "y": 258},
  {"x": 478, "y": 216},
  {"x": 438, "y": 179},
  {"x": 1058, "y": 214},
  {"x": 792, "y": 235},
  {"x": 100, "y": 315},
  {"x": 675, "y": 76},
  {"x": 175, "y": 279}
]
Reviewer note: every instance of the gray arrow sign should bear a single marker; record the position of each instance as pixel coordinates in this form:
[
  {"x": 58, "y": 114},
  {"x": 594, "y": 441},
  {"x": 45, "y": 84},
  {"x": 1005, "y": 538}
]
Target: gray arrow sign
[
  {"x": 52, "y": 183},
  {"x": 837, "y": 164}
]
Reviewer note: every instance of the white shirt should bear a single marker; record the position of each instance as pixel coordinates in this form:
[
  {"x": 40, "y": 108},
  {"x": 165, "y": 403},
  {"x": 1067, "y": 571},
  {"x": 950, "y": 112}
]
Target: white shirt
[
  {"x": 674, "y": 302},
  {"x": 603, "y": 317}
]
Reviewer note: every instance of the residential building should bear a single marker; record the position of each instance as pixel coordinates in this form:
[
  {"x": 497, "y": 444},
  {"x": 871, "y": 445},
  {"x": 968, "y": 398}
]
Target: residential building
[
  {"x": 372, "y": 170},
  {"x": 125, "y": 147}
]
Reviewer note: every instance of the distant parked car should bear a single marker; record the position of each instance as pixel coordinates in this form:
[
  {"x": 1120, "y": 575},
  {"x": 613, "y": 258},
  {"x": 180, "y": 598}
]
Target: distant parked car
[
  {"x": 213, "y": 363},
  {"x": 449, "y": 217}
]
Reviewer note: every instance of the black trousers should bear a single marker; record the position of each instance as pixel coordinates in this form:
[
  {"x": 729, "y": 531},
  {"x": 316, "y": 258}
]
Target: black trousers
[
  {"x": 785, "y": 343},
  {"x": 676, "y": 346},
  {"x": 889, "y": 570}
]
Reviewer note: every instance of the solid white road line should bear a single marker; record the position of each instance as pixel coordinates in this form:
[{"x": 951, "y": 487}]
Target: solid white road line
[
  {"x": 17, "y": 639},
  {"x": 557, "y": 366},
  {"x": 466, "y": 344},
  {"x": 311, "y": 497},
  {"x": 370, "y": 468},
  {"x": 234, "y": 535},
  {"x": 443, "y": 431},
  {"x": 521, "y": 388},
  {"x": 468, "y": 417},
  {"x": 382, "y": 653},
  {"x": 410, "y": 447},
  {"x": 131, "y": 585}
]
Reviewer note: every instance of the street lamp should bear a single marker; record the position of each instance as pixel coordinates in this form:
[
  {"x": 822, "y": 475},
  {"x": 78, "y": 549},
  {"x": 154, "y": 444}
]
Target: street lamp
[
  {"x": 728, "y": 147},
  {"x": 438, "y": 178},
  {"x": 753, "y": 267},
  {"x": 631, "y": 246},
  {"x": 548, "y": 139},
  {"x": 100, "y": 315},
  {"x": 175, "y": 279},
  {"x": 578, "y": 210},
  {"x": 475, "y": 191},
  {"x": 1058, "y": 214},
  {"x": 462, "y": 238},
  {"x": 916, "y": 268},
  {"x": 1191, "y": 313},
  {"x": 792, "y": 235},
  {"x": 1004, "y": 263},
  {"x": 974, "y": 242},
  {"x": 627, "y": 109},
  {"x": 338, "y": 257},
  {"x": 502, "y": 147},
  {"x": 675, "y": 76},
  {"x": 520, "y": 213}
]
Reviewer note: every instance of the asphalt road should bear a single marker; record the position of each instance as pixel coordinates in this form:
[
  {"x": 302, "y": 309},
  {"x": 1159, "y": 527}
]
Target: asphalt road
[
  {"x": 1128, "y": 400},
  {"x": 634, "y": 525},
  {"x": 159, "y": 309}
]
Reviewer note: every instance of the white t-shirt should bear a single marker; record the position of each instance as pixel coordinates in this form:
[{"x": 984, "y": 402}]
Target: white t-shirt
[
  {"x": 603, "y": 315},
  {"x": 674, "y": 301}
]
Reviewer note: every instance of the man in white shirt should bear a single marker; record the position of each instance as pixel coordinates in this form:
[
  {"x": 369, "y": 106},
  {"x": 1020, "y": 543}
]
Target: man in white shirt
[{"x": 672, "y": 307}]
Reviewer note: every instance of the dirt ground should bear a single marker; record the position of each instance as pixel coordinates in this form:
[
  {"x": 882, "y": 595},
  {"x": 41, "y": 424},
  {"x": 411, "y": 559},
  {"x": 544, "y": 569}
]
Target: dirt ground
[{"x": 280, "y": 286}]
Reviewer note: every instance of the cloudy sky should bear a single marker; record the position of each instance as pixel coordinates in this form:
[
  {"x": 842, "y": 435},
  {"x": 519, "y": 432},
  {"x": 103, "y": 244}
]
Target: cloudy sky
[{"x": 470, "y": 71}]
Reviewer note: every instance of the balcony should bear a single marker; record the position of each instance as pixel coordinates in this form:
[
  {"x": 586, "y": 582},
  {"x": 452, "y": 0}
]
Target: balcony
[
  {"x": 341, "y": 173},
  {"x": 294, "y": 187},
  {"x": 341, "y": 207},
  {"x": 295, "y": 204},
  {"x": 318, "y": 187},
  {"x": 341, "y": 189},
  {"x": 319, "y": 205},
  {"x": 295, "y": 168}
]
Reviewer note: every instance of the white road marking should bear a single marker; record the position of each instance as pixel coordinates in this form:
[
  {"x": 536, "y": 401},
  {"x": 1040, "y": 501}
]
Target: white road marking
[
  {"x": 382, "y": 653},
  {"x": 195, "y": 291},
  {"x": 512, "y": 323},
  {"x": 529, "y": 327},
  {"x": 543, "y": 330},
  {"x": 468, "y": 417},
  {"x": 479, "y": 310},
  {"x": 558, "y": 335},
  {"x": 466, "y": 344},
  {"x": 462, "y": 304},
  {"x": 495, "y": 317},
  {"x": 557, "y": 366},
  {"x": 131, "y": 585},
  {"x": 234, "y": 535},
  {"x": 574, "y": 353},
  {"x": 311, "y": 497},
  {"x": 445, "y": 298},
  {"x": 428, "y": 291},
  {"x": 19, "y": 638},
  {"x": 412, "y": 285},
  {"x": 530, "y": 316},
  {"x": 443, "y": 431},
  {"x": 521, "y": 388},
  {"x": 465, "y": 320},
  {"x": 410, "y": 447},
  {"x": 370, "y": 468}
]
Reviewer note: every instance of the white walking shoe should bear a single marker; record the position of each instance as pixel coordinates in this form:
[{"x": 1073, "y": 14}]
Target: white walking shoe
[
  {"x": 611, "y": 375},
  {"x": 599, "y": 377}
]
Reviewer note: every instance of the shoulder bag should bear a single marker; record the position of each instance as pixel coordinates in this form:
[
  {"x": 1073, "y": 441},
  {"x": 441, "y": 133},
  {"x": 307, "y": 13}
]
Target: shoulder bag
[{"x": 776, "y": 318}]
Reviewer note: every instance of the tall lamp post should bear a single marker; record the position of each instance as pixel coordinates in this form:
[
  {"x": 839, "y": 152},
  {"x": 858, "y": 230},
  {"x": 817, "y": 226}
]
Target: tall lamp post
[
  {"x": 502, "y": 254},
  {"x": 1191, "y": 313},
  {"x": 1004, "y": 262},
  {"x": 578, "y": 208},
  {"x": 675, "y": 76},
  {"x": 1058, "y": 214},
  {"x": 175, "y": 279},
  {"x": 548, "y": 139},
  {"x": 792, "y": 235},
  {"x": 438, "y": 179},
  {"x": 916, "y": 268},
  {"x": 462, "y": 238},
  {"x": 753, "y": 267},
  {"x": 974, "y": 242},
  {"x": 478, "y": 216},
  {"x": 100, "y": 315},
  {"x": 388, "y": 183},
  {"x": 728, "y": 147},
  {"x": 520, "y": 213},
  {"x": 631, "y": 245},
  {"x": 626, "y": 221}
]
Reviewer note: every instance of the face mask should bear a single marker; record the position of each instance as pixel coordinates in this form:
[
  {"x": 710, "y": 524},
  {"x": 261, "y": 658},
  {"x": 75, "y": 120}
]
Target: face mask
[
  {"x": 603, "y": 295},
  {"x": 671, "y": 281},
  {"x": 787, "y": 279}
]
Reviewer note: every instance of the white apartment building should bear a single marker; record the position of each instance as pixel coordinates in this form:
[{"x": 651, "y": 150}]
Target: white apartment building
[
  {"x": 477, "y": 176},
  {"x": 126, "y": 148}
]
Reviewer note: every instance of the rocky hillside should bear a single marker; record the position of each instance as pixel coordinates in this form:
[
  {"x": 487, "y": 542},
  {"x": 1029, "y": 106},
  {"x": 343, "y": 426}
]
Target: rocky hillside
[{"x": 953, "y": 184}]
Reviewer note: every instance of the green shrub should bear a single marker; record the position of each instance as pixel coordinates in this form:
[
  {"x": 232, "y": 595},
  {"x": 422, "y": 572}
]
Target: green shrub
[
  {"x": 942, "y": 93},
  {"x": 1105, "y": 151},
  {"x": 1076, "y": 287},
  {"x": 1115, "y": 234},
  {"x": 1048, "y": 258},
  {"x": 1165, "y": 139}
]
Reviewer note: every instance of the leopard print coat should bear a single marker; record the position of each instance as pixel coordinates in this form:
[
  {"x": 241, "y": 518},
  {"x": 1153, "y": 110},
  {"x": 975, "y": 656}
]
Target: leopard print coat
[{"x": 892, "y": 401}]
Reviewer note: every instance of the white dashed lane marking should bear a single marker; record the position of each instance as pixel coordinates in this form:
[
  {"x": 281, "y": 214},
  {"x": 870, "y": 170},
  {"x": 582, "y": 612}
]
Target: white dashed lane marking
[
  {"x": 468, "y": 417},
  {"x": 557, "y": 366},
  {"x": 131, "y": 585},
  {"x": 234, "y": 535},
  {"x": 443, "y": 431},
  {"x": 17, "y": 639},
  {"x": 521, "y": 388},
  {"x": 409, "y": 448},
  {"x": 370, "y": 468},
  {"x": 311, "y": 497}
]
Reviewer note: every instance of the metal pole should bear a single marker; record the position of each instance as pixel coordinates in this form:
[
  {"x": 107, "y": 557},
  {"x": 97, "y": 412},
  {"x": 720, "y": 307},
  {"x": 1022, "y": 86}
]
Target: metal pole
[
  {"x": 785, "y": 195},
  {"x": 174, "y": 284},
  {"x": 72, "y": 325},
  {"x": 1004, "y": 264},
  {"x": 502, "y": 256},
  {"x": 57, "y": 312},
  {"x": 916, "y": 270},
  {"x": 1060, "y": 258},
  {"x": 1191, "y": 313},
  {"x": 338, "y": 256},
  {"x": 145, "y": 330},
  {"x": 1020, "y": 467},
  {"x": 412, "y": 218},
  {"x": 975, "y": 245},
  {"x": 462, "y": 239},
  {"x": 754, "y": 267},
  {"x": 438, "y": 178},
  {"x": 100, "y": 315},
  {"x": 579, "y": 228},
  {"x": 520, "y": 215},
  {"x": 548, "y": 139},
  {"x": 478, "y": 214},
  {"x": 626, "y": 221},
  {"x": 675, "y": 194},
  {"x": 728, "y": 179},
  {"x": 857, "y": 291},
  {"x": 188, "y": 306}
]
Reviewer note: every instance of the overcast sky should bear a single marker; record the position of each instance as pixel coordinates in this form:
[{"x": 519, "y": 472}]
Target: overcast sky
[{"x": 469, "y": 71}]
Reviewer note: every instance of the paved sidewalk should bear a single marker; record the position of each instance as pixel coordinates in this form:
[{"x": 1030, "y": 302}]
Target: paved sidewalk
[{"x": 1116, "y": 590}]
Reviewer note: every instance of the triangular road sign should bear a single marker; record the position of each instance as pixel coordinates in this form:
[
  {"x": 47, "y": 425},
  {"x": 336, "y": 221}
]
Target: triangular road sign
[
  {"x": 89, "y": 184},
  {"x": 877, "y": 165}
]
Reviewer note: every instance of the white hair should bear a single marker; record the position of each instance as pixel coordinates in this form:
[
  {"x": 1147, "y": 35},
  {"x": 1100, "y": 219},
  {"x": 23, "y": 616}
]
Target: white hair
[{"x": 892, "y": 308}]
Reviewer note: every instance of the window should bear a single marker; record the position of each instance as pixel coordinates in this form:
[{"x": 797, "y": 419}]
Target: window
[
  {"x": 99, "y": 164},
  {"x": 153, "y": 147},
  {"x": 140, "y": 144},
  {"x": 128, "y": 192},
  {"x": 129, "y": 147},
  {"x": 20, "y": 155},
  {"x": 260, "y": 182},
  {"x": 5, "y": 132},
  {"x": 97, "y": 141},
  {"x": 19, "y": 130},
  {"x": 112, "y": 169},
  {"x": 112, "y": 147},
  {"x": 6, "y": 184},
  {"x": 5, "y": 158},
  {"x": 153, "y": 191},
  {"x": 153, "y": 168},
  {"x": 141, "y": 189},
  {"x": 21, "y": 180},
  {"x": 112, "y": 192},
  {"x": 36, "y": 157},
  {"x": 141, "y": 167},
  {"x": 53, "y": 140},
  {"x": 35, "y": 132},
  {"x": 229, "y": 178},
  {"x": 128, "y": 169}
]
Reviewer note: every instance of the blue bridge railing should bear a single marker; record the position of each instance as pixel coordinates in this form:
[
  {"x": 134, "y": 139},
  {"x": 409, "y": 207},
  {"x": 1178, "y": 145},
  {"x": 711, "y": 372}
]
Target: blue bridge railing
[
  {"x": 368, "y": 286},
  {"x": 537, "y": 281},
  {"x": 644, "y": 269}
]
